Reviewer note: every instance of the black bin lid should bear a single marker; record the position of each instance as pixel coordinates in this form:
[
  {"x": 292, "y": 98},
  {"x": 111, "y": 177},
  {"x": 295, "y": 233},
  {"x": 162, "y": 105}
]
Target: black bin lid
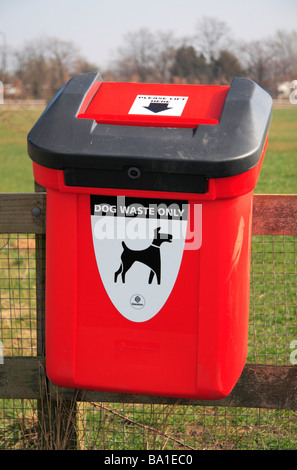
[{"x": 92, "y": 153}]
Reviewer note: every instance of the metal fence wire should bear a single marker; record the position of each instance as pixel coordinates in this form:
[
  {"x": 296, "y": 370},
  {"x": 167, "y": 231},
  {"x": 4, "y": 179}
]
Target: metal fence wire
[
  {"x": 18, "y": 295},
  {"x": 122, "y": 426}
]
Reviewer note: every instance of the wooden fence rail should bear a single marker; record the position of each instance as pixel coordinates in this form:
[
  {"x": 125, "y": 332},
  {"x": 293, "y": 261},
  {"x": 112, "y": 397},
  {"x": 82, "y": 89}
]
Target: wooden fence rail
[
  {"x": 273, "y": 214},
  {"x": 260, "y": 386}
]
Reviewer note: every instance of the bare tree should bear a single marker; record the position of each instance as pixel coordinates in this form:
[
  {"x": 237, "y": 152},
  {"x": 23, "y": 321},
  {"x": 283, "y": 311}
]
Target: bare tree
[
  {"x": 135, "y": 59},
  {"x": 165, "y": 55},
  {"x": 45, "y": 65},
  {"x": 62, "y": 57},
  {"x": 283, "y": 47},
  {"x": 32, "y": 68},
  {"x": 145, "y": 57},
  {"x": 212, "y": 35},
  {"x": 256, "y": 58}
]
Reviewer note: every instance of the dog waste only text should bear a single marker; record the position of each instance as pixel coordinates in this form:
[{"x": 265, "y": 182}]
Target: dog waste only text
[{"x": 133, "y": 210}]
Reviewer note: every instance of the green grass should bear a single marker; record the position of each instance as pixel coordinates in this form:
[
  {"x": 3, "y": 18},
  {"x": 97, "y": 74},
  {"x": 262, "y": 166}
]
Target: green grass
[
  {"x": 15, "y": 165},
  {"x": 278, "y": 173},
  {"x": 273, "y": 296},
  {"x": 279, "y": 170}
]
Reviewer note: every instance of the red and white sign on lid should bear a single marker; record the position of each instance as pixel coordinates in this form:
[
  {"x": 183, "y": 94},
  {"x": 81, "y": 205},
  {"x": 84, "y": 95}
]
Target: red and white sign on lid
[
  {"x": 151, "y": 104},
  {"x": 159, "y": 105}
]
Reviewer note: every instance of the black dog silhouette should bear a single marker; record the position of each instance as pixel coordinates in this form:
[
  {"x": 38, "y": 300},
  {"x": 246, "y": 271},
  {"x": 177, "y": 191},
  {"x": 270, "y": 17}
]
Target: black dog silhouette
[{"x": 149, "y": 256}]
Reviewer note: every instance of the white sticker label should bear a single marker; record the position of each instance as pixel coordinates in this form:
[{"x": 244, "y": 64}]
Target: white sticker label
[
  {"x": 159, "y": 105},
  {"x": 138, "y": 246}
]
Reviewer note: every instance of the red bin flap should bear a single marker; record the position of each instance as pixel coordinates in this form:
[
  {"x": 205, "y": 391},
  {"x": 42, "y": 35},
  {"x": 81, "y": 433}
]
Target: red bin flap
[{"x": 155, "y": 105}]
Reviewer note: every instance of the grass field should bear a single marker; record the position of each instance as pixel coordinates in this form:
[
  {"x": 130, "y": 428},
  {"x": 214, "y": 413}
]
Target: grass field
[
  {"x": 278, "y": 174},
  {"x": 15, "y": 165},
  {"x": 279, "y": 170}
]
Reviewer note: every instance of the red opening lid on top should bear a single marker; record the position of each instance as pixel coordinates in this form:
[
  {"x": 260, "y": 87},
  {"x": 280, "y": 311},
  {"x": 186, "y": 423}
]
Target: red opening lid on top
[{"x": 154, "y": 105}]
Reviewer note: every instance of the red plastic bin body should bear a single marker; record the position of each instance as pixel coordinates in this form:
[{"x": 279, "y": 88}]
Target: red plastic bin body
[
  {"x": 183, "y": 331},
  {"x": 195, "y": 346}
]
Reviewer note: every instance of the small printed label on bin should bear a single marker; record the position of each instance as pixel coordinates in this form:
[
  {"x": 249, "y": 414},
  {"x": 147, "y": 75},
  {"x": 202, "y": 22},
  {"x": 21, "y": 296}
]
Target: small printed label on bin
[
  {"x": 138, "y": 245},
  {"x": 159, "y": 105}
]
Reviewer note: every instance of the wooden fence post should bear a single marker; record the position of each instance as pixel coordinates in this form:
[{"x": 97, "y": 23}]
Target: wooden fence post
[{"x": 56, "y": 416}]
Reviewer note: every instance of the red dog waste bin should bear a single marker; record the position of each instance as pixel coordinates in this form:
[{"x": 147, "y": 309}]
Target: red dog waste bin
[{"x": 149, "y": 207}]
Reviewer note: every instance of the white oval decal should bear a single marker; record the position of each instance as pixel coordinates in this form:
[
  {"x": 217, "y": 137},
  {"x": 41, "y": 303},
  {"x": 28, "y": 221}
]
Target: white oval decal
[{"x": 138, "y": 245}]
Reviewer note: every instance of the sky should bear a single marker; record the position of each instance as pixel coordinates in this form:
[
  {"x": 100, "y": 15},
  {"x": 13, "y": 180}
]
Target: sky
[{"x": 97, "y": 27}]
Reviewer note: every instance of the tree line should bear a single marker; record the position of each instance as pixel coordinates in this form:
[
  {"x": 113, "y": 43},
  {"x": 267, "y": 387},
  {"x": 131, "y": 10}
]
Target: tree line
[{"x": 210, "y": 56}]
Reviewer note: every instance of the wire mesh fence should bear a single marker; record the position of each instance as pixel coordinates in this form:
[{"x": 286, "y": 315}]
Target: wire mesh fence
[
  {"x": 18, "y": 295},
  {"x": 273, "y": 299},
  {"x": 122, "y": 426}
]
